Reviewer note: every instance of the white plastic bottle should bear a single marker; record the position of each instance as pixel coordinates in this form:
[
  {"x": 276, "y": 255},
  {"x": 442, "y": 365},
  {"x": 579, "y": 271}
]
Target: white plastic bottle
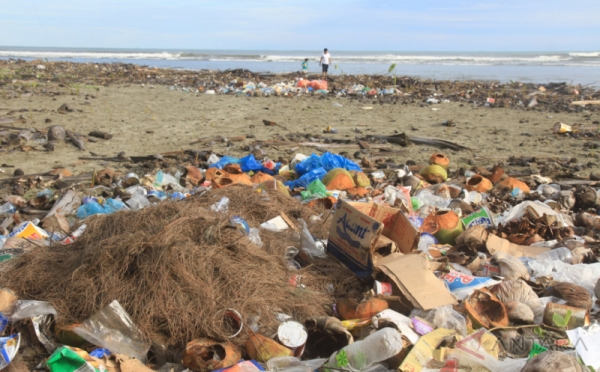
[{"x": 375, "y": 348}]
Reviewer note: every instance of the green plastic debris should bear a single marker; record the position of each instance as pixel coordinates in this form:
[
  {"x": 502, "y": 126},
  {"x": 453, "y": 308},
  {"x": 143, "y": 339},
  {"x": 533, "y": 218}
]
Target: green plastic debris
[
  {"x": 536, "y": 349},
  {"x": 315, "y": 190},
  {"x": 65, "y": 359}
]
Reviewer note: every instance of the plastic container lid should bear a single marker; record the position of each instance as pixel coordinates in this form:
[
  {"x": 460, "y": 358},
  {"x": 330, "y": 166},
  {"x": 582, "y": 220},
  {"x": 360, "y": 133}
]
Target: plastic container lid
[{"x": 292, "y": 334}]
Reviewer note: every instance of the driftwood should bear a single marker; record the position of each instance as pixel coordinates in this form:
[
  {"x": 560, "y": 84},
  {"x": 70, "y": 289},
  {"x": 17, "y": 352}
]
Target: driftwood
[
  {"x": 402, "y": 139},
  {"x": 98, "y": 134},
  {"x": 583, "y": 103},
  {"x": 77, "y": 141}
]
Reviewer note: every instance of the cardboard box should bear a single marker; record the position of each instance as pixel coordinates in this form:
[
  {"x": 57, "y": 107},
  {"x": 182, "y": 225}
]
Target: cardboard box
[
  {"x": 359, "y": 229},
  {"x": 496, "y": 244},
  {"x": 413, "y": 276}
]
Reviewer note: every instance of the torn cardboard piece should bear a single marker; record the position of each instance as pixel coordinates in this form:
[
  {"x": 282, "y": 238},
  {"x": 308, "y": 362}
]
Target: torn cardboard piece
[
  {"x": 413, "y": 276},
  {"x": 496, "y": 244},
  {"x": 359, "y": 230}
]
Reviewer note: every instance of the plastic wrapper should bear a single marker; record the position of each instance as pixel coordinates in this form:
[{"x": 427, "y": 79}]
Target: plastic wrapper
[
  {"x": 254, "y": 237},
  {"x": 584, "y": 275},
  {"x": 291, "y": 364},
  {"x": 309, "y": 246},
  {"x": 469, "y": 351},
  {"x": 113, "y": 329},
  {"x": 9, "y": 347},
  {"x": 25, "y": 309},
  {"x": 462, "y": 285},
  {"x": 66, "y": 359},
  {"x": 443, "y": 317},
  {"x": 395, "y": 195},
  {"x": 315, "y": 189},
  {"x": 425, "y": 197},
  {"x": 221, "y": 206}
]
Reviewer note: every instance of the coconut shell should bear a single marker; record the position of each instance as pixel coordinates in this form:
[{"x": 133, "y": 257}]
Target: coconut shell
[
  {"x": 233, "y": 168},
  {"x": 446, "y": 226},
  {"x": 260, "y": 177},
  {"x": 434, "y": 173},
  {"x": 496, "y": 174},
  {"x": 413, "y": 182},
  {"x": 198, "y": 355},
  {"x": 575, "y": 295},
  {"x": 274, "y": 185},
  {"x": 474, "y": 237},
  {"x": 214, "y": 174},
  {"x": 193, "y": 174},
  {"x": 485, "y": 310},
  {"x": 586, "y": 197},
  {"x": 439, "y": 159},
  {"x": 262, "y": 348},
  {"x": 465, "y": 207},
  {"x": 105, "y": 177},
  {"x": 588, "y": 220},
  {"x": 554, "y": 361},
  {"x": 61, "y": 171},
  {"x": 349, "y": 309},
  {"x": 511, "y": 267},
  {"x": 519, "y": 312},
  {"x": 479, "y": 183},
  {"x": 341, "y": 181},
  {"x": 360, "y": 179},
  {"x": 513, "y": 183},
  {"x": 332, "y": 173}
]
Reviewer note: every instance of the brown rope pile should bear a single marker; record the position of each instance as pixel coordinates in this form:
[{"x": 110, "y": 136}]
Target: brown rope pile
[{"x": 175, "y": 265}]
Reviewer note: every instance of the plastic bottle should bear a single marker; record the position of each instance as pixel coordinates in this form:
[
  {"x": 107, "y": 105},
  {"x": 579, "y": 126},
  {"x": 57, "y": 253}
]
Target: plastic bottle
[
  {"x": 375, "y": 348},
  {"x": 7, "y": 209},
  {"x": 561, "y": 254}
]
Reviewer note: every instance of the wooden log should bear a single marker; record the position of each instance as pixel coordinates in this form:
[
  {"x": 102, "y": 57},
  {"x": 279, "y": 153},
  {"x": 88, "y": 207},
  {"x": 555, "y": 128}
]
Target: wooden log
[{"x": 99, "y": 134}]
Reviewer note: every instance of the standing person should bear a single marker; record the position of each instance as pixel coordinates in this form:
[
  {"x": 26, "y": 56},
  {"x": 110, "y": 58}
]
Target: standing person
[
  {"x": 305, "y": 66},
  {"x": 325, "y": 61}
]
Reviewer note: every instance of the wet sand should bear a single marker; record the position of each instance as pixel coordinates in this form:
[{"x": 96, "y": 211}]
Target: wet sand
[{"x": 147, "y": 120}]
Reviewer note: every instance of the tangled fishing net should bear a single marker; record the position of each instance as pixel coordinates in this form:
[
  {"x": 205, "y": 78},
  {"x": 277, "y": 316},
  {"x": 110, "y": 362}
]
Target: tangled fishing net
[{"x": 174, "y": 266}]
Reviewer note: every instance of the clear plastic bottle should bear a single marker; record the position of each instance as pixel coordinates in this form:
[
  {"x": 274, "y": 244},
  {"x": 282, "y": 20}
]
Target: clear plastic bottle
[
  {"x": 375, "y": 348},
  {"x": 561, "y": 254},
  {"x": 7, "y": 209}
]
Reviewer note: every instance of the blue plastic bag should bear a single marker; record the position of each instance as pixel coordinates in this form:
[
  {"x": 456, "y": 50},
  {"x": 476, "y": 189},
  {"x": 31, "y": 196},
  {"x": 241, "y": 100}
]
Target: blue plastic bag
[
  {"x": 311, "y": 163},
  {"x": 224, "y": 161},
  {"x": 113, "y": 205},
  {"x": 307, "y": 178},
  {"x": 249, "y": 163},
  {"x": 331, "y": 161},
  {"x": 89, "y": 209}
]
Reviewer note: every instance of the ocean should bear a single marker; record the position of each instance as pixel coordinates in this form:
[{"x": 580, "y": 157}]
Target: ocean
[{"x": 537, "y": 67}]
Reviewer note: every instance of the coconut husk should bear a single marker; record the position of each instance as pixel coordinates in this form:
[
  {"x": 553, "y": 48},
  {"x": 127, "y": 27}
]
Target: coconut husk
[
  {"x": 465, "y": 207},
  {"x": 554, "y": 361},
  {"x": 16, "y": 200},
  {"x": 574, "y": 294},
  {"x": 519, "y": 312},
  {"x": 465, "y": 256},
  {"x": 496, "y": 174},
  {"x": 233, "y": 168},
  {"x": 193, "y": 174},
  {"x": 173, "y": 266},
  {"x": 260, "y": 177},
  {"x": 585, "y": 197},
  {"x": 514, "y": 290},
  {"x": 207, "y": 355},
  {"x": 511, "y": 267}
]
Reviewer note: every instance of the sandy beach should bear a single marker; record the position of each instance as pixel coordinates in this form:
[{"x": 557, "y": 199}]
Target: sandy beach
[{"x": 147, "y": 121}]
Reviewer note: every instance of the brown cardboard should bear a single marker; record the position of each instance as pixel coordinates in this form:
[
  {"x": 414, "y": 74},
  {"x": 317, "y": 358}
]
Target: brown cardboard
[
  {"x": 496, "y": 244},
  {"x": 7, "y": 300},
  {"x": 359, "y": 229},
  {"x": 413, "y": 276}
]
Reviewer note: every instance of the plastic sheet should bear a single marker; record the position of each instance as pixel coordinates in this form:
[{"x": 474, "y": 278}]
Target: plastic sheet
[
  {"x": 443, "y": 317},
  {"x": 249, "y": 163},
  {"x": 28, "y": 309},
  {"x": 224, "y": 161},
  {"x": 307, "y": 178},
  {"x": 291, "y": 364},
  {"x": 309, "y": 246},
  {"x": 112, "y": 328},
  {"x": 327, "y": 161}
]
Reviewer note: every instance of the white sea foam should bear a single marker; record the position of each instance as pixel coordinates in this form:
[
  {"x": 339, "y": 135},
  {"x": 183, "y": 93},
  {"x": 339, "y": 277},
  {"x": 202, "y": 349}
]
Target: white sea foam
[{"x": 586, "y": 54}]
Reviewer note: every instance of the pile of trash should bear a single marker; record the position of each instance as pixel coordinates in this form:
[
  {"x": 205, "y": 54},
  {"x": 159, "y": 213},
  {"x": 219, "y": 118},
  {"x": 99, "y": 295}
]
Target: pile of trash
[
  {"x": 44, "y": 77},
  {"x": 312, "y": 263}
]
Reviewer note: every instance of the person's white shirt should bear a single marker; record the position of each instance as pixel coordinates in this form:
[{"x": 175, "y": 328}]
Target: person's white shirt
[{"x": 326, "y": 58}]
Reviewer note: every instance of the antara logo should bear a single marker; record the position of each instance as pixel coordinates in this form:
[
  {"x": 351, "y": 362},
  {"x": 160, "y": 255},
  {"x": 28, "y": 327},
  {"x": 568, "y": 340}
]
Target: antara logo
[{"x": 357, "y": 230}]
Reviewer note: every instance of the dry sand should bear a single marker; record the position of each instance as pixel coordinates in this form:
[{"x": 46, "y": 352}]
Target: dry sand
[{"x": 147, "y": 120}]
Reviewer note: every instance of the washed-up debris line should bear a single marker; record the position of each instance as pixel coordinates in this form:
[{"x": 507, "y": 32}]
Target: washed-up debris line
[
  {"x": 44, "y": 77},
  {"x": 317, "y": 262}
]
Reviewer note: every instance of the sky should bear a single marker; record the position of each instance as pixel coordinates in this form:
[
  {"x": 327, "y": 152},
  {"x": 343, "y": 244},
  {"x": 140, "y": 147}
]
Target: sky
[{"x": 366, "y": 25}]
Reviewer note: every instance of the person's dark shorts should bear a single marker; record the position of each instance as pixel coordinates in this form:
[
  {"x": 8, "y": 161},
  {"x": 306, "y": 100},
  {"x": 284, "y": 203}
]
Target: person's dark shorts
[{"x": 325, "y": 67}]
